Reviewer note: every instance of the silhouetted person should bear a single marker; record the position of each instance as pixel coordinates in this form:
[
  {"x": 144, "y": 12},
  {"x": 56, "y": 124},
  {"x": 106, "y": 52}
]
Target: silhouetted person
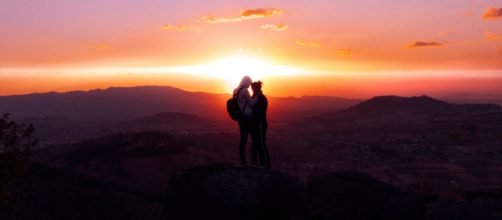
[
  {"x": 259, "y": 151},
  {"x": 246, "y": 104}
]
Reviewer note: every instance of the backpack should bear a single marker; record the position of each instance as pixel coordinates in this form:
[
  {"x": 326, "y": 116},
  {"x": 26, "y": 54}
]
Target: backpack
[{"x": 233, "y": 107}]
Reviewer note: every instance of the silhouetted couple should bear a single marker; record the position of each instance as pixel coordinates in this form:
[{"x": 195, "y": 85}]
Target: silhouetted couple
[{"x": 253, "y": 123}]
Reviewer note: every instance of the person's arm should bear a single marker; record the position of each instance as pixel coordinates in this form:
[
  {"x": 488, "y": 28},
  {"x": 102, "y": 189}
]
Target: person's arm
[{"x": 251, "y": 101}]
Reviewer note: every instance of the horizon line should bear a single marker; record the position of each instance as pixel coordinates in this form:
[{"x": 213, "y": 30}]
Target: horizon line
[{"x": 213, "y": 93}]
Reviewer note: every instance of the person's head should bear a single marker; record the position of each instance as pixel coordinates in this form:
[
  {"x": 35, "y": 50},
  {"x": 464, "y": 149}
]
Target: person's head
[
  {"x": 245, "y": 82},
  {"x": 256, "y": 86}
]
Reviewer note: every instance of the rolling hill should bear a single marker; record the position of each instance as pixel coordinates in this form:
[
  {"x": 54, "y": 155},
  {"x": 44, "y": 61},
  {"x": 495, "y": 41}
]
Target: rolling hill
[
  {"x": 396, "y": 106},
  {"x": 77, "y": 115}
]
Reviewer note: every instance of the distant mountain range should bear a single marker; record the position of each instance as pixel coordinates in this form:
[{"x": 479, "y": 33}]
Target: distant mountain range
[
  {"x": 78, "y": 115},
  {"x": 129, "y": 103},
  {"x": 112, "y": 104}
]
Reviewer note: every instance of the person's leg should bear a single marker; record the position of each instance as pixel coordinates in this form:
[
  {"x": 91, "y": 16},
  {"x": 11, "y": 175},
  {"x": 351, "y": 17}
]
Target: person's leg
[
  {"x": 257, "y": 148},
  {"x": 244, "y": 130},
  {"x": 255, "y": 143},
  {"x": 263, "y": 135}
]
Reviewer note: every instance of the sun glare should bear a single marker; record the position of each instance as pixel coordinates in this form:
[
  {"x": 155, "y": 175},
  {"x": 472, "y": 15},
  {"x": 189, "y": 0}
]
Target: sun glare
[{"x": 233, "y": 68}]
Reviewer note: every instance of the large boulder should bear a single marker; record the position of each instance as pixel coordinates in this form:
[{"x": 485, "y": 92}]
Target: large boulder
[
  {"x": 226, "y": 192},
  {"x": 355, "y": 196}
]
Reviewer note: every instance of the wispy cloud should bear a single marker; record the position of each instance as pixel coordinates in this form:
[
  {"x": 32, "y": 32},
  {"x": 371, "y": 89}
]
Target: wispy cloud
[
  {"x": 467, "y": 13},
  {"x": 492, "y": 13},
  {"x": 244, "y": 15},
  {"x": 425, "y": 44},
  {"x": 493, "y": 36},
  {"x": 215, "y": 19},
  {"x": 179, "y": 27},
  {"x": 308, "y": 43},
  {"x": 275, "y": 27}
]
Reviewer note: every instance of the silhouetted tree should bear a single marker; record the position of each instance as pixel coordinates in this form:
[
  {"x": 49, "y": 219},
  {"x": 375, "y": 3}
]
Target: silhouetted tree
[{"x": 16, "y": 142}]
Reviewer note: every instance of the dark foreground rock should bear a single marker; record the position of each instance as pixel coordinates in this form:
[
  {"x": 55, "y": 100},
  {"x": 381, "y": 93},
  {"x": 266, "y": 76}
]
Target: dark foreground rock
[
  {"x": 355, "y": 196},
  {"x": 54, "y": 194},
  {"x": 485, "y": 205},
  {"x": 225, "y": 192}
]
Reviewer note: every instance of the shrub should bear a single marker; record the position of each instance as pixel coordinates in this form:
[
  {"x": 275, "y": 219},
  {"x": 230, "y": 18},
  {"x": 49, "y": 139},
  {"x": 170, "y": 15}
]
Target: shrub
[{"x": 16, "y": 143}]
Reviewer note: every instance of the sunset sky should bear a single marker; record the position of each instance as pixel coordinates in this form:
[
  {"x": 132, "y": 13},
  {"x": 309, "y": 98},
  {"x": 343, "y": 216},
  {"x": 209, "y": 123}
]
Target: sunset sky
[{"x": 339, "y": 47}]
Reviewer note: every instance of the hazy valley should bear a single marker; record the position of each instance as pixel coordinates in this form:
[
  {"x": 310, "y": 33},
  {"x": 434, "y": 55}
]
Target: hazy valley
[{"x": 129, "y": 142}]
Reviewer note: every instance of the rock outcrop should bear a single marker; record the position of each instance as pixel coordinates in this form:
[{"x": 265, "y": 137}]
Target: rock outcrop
[
  {"x": 225, "y": 192},
  {"x": 355, "y": 196}
]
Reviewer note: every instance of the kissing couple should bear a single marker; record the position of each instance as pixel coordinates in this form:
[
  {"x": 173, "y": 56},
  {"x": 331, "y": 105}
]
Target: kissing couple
[{"x": 253, "y": 123}]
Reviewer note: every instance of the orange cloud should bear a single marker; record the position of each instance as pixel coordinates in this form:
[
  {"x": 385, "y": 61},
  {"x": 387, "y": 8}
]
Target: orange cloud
[
  {"x": 260, "y": 13},
  {"x": 493, "y": 36},
  {"x": 244, "y": 15},
  {"x": 179, "y": 27},
  {"x": 492, "y": 14},
  {"x": 275, "y": 27},
  {"x": 308, "y": 43},
  {"x": 425, "y": 44}
]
